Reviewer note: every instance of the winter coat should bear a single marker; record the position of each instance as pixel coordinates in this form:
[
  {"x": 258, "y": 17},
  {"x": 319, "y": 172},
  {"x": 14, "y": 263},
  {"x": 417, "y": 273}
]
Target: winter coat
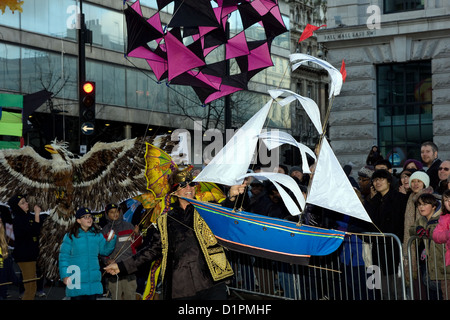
[
  {"x": 192, "y": 260},
  {"x": 441, "y": 234},
  {"x": 434, "y": 251},
  {"x": 387, "y": 213},
  {"x": 412, "y": 215},
  {"x": 26, "y": 233},
  {"x": 125, "y": 246},
  {"x": 81, "y": 254},
  {"x": 432, "y": 172}
]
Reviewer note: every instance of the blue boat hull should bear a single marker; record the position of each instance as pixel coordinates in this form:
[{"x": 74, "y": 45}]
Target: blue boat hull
[{"x": 267, "y": 237}]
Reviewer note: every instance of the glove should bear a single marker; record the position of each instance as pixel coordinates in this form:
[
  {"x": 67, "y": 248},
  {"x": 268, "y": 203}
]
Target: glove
[{"x": 422, "y": 232}]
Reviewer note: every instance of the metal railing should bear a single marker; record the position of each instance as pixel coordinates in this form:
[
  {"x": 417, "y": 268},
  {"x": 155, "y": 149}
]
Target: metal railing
[
  {"x": 428, "y": 277},
  {"x": 367, "y": 266}
]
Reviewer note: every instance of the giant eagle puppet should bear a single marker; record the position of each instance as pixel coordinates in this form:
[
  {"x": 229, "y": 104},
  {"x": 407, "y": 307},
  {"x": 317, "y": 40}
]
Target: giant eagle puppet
[{"x": 108, "y": 173}]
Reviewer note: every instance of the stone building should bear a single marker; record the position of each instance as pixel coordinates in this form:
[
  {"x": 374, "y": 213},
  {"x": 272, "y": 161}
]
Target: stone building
[{"x": 396, "y": 95}]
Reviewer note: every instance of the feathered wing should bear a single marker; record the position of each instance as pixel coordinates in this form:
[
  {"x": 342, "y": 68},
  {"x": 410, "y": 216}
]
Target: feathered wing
[
  {"x": 25, "y": 171},
  {"x": 109, "y": 172}
]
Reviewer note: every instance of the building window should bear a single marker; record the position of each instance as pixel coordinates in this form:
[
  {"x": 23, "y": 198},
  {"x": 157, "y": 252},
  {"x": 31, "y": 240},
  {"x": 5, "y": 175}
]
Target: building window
[
  {"x": 393, "y": 6},
  {"x": 404, "y": 109}
]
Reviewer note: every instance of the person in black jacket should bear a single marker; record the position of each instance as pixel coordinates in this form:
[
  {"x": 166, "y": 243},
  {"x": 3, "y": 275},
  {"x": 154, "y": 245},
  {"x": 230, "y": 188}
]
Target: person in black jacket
[
  {"x": 193, "y": 264},
  {"x": 387, "y": 210},
  {"x": 429, "y": 154},
  {"x": 27, "y": 227}
]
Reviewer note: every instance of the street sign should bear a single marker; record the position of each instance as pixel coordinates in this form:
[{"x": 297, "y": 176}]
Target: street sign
[{"x": 87, "y": 128}]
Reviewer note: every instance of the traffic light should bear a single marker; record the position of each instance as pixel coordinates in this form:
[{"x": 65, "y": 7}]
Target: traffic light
[{"x": 87, "y": 107}]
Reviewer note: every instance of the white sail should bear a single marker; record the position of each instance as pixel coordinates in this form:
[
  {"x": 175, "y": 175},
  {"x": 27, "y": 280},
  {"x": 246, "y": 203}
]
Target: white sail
[
  {"x": 310, "y": 106},
  {"x": 331, "y": 189},
  {"x": 234, "y": 159},
  {"x": 274, "y": 139},
  {"x": 335, "y": 74},
  {"x": 289, "y": 183}
]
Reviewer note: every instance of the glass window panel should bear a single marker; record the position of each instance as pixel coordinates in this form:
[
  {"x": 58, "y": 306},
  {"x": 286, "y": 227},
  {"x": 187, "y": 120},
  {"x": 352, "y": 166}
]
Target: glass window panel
[
  {"x": 183, "y": 100},
  {"x": 384, "y": 116},
  {"x": 156, "y": 94},
  {"x": 426, "y": 114},
  {"x": 427, "y": 131},
  {"x": 107, "y": 27},
  {"x": 414, "y": 135},
  {"x": 391, "y": 6},
  {"x": 413, "y": 114},
  {"x": 50, "y": 17},
  {"x": 398, "y": 135},
  {"x": 402, "y": 88},
  {"x": 398, "y": 115},
  {"x": 385, "y": 135},
  {"x": 9, "y": 67},
  {"x": 109, "y": 81},
  {"x": 131, "y": 95},
  {"x": 398, "y": 94},
  {"x": 153, "y": 4},
  {"x": 53, "y": 72},
  {"x": 423, "y": 90},
  {"x": 10, "y": 19}
]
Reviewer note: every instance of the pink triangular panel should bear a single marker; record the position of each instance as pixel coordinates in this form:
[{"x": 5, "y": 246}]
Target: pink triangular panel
[
  {"x": 224, "y": 91},
  {"x": 259, "y": 58},
  {"x": 227, "y": 10},
  {"x": 218, "y": 13},
  {"x": 158, "y": 67},
  {"x": 141, "y": 52},
  {"x": 137, "y": 7},
  {"x": 204, "y": 78},
  {"x": 224, "y": 23},
  {"x": 208, "y": 50},
  {"x": 204, "y": 30},
  {"x": 214, "y": 81},
  {"x": 236, "y": 46},
  {"x": 155, "y": 22},
  {"x": 157, "y": 63},
  {"x": 269, "y": 4},
  {"x": 260, "y": 7},
  {"x": 180, "y": 59},
  {"x": 275, "y": 11}
]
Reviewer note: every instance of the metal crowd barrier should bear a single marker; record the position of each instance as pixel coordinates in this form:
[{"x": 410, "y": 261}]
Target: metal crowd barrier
[
  {"x": 366, "y": 267},
  {"x": 428, "y": 277}
]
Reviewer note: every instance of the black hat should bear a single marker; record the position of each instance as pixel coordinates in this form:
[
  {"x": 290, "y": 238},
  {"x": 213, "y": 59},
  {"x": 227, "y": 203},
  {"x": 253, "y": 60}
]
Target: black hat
[
  {"x": 82, "y": 212},
  {"x": 382, "y": 173},
  {"x": 14, "y": 200},
  {"x": 110, "y": 206}
]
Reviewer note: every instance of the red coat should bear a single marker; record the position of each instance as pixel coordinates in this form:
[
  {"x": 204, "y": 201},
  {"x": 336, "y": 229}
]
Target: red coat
[{"x": 442, "y": 235}]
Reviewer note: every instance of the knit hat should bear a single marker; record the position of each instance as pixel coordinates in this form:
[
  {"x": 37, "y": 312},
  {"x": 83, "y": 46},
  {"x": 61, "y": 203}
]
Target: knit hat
[
  {"x": 366, "y": 172},
  {"x": 110, "y": 206},
  {"x": 82, "y": 212},
  {"x": 422, "y": 176},
  {"x": 418, "y": 164},
  {"x": 295, "y": 168}
]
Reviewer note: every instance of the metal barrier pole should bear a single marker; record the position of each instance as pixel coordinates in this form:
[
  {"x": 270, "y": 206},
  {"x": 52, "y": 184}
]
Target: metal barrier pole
[{"x": 326, "y": 276}]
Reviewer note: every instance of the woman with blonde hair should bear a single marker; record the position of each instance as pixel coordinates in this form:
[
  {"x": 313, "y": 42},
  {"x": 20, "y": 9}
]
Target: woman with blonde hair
[{"x": 3, "y": 256}]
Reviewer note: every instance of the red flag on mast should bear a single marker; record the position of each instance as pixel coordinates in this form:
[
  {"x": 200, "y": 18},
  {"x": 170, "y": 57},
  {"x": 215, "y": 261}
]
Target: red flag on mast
[
  {"x": 308, "y": 32},
  {"x": 343, "y": 71}
]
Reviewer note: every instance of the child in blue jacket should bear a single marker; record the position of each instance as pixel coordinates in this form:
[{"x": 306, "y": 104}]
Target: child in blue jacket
[{"x": 79, "y": 266}]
